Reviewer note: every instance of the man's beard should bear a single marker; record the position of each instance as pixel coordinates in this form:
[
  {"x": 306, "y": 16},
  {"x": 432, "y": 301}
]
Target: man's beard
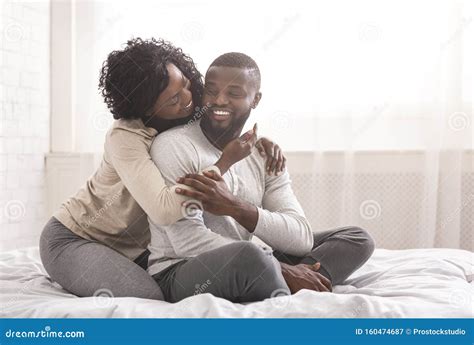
[
  {"x": 221, "y": 136},
  {"x": 232, "y": 131}
]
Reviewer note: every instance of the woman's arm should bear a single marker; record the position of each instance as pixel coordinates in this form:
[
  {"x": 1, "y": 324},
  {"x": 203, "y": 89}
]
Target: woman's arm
[
  {"x": 240, "y": 148},
  {"x": 130, "y": 157},
  {"x": 237, "y": 150}
]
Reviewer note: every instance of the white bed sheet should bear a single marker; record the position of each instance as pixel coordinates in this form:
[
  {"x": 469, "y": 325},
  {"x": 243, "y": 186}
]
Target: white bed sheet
[{"x": 394, "y": 283}]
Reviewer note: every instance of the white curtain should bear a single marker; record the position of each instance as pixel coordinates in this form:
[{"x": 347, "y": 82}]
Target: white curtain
[
  {"x": 379, "y": 91},
  {"x": 424, "y": 199}
]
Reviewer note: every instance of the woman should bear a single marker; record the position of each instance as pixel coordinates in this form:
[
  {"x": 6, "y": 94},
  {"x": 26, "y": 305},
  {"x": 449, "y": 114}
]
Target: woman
[{"x": 95, "y": 244}]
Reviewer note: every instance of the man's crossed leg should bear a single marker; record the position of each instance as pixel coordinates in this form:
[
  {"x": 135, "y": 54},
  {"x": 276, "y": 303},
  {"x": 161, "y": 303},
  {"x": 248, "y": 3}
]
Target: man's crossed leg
[{"x": 245, "y": 272}]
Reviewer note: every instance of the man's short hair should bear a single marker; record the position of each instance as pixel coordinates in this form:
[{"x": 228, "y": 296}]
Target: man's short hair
[{"x": 239, "y": 60}]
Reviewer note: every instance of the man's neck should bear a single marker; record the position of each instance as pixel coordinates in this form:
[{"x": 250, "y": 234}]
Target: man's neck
[{"x": 219, "y": 139}]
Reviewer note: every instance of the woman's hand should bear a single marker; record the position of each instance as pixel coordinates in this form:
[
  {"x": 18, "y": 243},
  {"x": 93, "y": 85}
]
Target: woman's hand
[
  {"x": 237, "y": 150},
  {"x": 276, "y": 162},
  {"x": 211, "y": 190},
  {"x": 304, "y": 276}
]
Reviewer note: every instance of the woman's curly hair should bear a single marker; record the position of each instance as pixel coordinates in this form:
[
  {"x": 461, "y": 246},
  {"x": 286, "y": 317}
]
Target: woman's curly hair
[{"x": 132, "y": 79}]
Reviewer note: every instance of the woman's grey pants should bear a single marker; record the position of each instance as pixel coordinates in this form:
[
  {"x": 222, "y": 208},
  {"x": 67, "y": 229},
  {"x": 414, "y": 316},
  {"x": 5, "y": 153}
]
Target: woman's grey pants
[
  {"x": 87, "y": 268},
  {"x": 244, "y": 272}
]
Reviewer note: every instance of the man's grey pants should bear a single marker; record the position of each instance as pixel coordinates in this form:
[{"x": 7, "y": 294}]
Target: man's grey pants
[{"x": 244, "y": 272}]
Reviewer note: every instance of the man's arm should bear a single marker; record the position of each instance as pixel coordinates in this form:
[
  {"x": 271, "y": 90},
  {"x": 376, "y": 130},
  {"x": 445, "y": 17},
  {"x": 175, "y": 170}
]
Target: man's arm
[
  {"x": 188, "y": 236},
  {"x": 281, "y": 220}
]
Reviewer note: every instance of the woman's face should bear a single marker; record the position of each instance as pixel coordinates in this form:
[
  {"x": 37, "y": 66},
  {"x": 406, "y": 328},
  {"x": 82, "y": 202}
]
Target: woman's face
[{"x": 176, "y": 100}]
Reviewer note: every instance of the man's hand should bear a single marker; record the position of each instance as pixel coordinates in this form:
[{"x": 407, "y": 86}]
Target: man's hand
[
  {"x": 211, "y": 190},
  {"x": 304, "y": 276},
  {"x": 216, "y": 198}
]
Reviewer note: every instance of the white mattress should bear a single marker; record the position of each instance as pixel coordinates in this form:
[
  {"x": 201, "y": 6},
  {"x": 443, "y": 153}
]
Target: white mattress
[{"x": 394, "y": 283}]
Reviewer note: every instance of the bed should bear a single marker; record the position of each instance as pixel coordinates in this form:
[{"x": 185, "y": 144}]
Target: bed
[{"x": 435, "y": 283}]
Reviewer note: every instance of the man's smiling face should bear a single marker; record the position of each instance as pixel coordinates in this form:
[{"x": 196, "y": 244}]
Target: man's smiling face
[{"x": 230, "y": 94}]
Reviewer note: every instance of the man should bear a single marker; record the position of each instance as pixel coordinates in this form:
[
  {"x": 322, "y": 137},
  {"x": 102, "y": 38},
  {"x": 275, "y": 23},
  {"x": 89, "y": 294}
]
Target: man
[{"x": 209, "y": 253}]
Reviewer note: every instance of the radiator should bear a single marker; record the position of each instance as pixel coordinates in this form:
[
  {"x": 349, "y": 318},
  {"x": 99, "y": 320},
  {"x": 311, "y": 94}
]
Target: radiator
[{"x": 390, "y": 194}]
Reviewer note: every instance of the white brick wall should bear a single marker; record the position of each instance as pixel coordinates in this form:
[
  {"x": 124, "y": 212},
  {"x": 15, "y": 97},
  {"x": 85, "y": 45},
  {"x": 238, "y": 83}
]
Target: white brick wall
[{"x": 24, "y": 120}]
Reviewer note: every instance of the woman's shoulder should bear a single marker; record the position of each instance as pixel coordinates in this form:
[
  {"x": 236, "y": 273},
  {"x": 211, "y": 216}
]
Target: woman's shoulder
[
  {"x": 133, "y": 127},
  {"x": 129, "y": 136},
  {"x": 125, "y": 130}
]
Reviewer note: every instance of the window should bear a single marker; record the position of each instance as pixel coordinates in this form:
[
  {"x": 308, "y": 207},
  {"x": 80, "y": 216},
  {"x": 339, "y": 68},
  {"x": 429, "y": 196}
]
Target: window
[{"x": 336, "y": 75}]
